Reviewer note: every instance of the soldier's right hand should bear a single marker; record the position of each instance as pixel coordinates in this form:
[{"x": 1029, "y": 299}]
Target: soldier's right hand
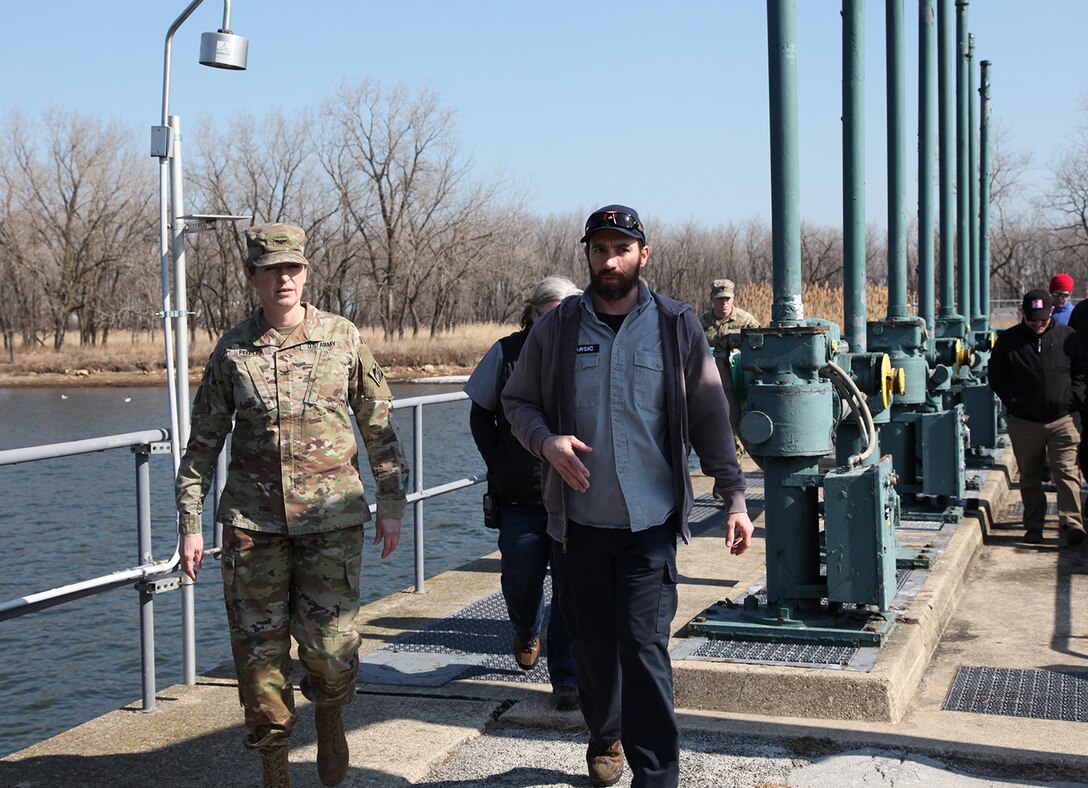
[{"x": 192, "y": 554}]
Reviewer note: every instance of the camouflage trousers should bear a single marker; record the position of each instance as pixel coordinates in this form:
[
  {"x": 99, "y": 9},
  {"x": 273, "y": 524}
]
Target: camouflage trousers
[{"x": 277, "y": 587}]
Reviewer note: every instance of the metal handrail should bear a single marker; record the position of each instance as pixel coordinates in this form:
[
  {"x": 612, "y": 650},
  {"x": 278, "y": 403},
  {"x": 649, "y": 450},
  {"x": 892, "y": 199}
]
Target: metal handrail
[
  {"x": 55, "y": 596},
  {"x": 71, "y": 448},
  {"x": 141, "y": 442}
]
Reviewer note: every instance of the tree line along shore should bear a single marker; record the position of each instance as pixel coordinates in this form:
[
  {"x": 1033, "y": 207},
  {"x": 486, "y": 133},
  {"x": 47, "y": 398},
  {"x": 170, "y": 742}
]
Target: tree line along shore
[{"x": 405, "y": 235}]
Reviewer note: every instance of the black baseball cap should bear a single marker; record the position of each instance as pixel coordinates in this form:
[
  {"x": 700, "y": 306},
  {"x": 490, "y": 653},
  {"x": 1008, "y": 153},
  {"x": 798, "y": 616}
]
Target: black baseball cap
[
  {"x": 1037, "y": 305},
  {"x": 615, "y": 217}
]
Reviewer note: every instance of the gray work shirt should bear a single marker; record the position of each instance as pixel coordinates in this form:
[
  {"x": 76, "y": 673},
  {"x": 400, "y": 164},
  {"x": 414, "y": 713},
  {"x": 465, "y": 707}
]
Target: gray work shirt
[
  {"x": 482, "y": 386},
  {"x": 619, "y": 397}
]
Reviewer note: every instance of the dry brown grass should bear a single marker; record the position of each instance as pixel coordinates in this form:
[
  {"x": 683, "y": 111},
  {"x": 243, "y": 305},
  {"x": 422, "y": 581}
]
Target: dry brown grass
[
  {"x": 819, "y": 301},
  {"x": 126, "y": 352},
  {"x": 141, "y": 354},
  {"x": 463, "y": 347}
]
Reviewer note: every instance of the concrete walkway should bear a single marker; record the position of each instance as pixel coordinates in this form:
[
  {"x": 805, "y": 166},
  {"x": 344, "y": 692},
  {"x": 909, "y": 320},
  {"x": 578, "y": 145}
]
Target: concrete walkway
[{"x": 990, "y": 601}]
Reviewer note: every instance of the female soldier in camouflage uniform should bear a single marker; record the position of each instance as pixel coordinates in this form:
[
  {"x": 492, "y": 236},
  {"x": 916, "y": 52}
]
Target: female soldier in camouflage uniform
[{"x": 290, "y": 377}]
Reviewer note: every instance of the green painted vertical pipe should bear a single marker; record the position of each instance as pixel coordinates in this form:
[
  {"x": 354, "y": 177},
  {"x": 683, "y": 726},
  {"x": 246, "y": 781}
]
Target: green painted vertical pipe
[
  {"x": 897, "y": 162},
  {"x": 785, "y": 179},
  {"x": 945, "y": 152},
  {"x": 963, "y": 174},
  {"x": 926, "y": 212},
  {"x": 972, "y": 179},
  {"x": 853, "y": 173},
  {"x": 984, "y": 193}
]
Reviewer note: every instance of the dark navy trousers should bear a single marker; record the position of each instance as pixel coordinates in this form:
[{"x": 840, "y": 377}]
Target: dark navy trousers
[
  {"x": 618, "y": 592},
  {"x": 524, "y": 545}
]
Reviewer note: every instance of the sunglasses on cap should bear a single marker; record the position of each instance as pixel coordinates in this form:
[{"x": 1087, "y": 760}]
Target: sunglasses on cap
[
  {"x": 624, "y": 221},
  {"x": 1058, "y": 294}
]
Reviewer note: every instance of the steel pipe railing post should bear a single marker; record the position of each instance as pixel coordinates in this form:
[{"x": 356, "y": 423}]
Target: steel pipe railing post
[
  {"x": 147, "y": 599},
  {"x": 926, "y": 213},
  {"x": 972, "y": 180},
  {"x": 897, "y": 162},
  {"x": 984, "y": 192},
  {"x": 963, "y": 161},
  {"x": 181, "y": 360},
  {"x": 787, "y": 309},
  {"x": 417, "y": 508},
  {"x": 853, "y": 173},
  {"x": 946, "y": 153},
  {"x": 181, "y": 298}
]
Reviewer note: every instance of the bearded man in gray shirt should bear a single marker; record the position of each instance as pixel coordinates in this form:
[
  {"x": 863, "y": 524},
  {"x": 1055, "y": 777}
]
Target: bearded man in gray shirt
[{"x": 613, "y": 389}]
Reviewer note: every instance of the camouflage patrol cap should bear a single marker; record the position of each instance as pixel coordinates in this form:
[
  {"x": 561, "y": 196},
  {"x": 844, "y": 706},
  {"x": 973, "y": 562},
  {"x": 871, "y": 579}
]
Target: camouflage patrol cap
[
  {"x": 722, "y": 288},
  {"x": 273, "y": 244}
]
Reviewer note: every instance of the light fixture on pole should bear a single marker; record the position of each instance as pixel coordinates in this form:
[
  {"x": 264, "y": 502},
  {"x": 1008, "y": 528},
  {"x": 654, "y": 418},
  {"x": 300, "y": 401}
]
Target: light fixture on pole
[
  {"x": 223, "y": 49},
  {"x": 226, "y": 50}
]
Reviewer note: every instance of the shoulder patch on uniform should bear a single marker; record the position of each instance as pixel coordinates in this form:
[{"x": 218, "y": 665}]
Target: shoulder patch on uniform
[{"x": 376, "y": 374}]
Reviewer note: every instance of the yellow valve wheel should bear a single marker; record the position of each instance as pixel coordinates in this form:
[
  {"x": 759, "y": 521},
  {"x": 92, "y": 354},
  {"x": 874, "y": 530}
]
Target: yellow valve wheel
[
  {"x": 892, "y": 381},
  {"x": 963, "y": 355}
]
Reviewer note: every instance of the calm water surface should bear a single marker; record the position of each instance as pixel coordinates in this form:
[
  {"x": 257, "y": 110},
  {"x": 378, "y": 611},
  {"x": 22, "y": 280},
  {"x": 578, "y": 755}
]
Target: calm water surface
[{"x": 75, "y": 518}]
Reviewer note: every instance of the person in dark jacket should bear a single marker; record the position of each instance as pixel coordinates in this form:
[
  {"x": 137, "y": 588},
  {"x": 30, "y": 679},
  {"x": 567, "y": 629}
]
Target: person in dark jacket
[
  {"x": 1039, "y": 370},
  {"x": 1078, "y": 321},
  {"x": 613, "y": 390},
  {"x": 515, "y": 505}
]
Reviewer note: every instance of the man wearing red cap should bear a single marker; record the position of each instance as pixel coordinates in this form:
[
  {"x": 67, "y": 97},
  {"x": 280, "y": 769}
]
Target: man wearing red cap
[
  {"x": 1061, "y": 293},
  {"x": 1039, "y": 370}
]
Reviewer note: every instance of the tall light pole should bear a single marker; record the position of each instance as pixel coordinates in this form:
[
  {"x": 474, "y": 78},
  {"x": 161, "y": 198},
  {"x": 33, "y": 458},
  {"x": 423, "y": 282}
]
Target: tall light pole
[{"x": 222, "y": 49}]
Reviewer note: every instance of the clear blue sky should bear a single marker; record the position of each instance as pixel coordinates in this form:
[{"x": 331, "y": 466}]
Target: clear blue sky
[{"x": 662, "y": 106}]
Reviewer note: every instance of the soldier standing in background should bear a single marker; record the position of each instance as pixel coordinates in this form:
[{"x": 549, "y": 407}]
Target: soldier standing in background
[
  {"x": 291, "y": 377},
  {"x": 722, "y": 324}
]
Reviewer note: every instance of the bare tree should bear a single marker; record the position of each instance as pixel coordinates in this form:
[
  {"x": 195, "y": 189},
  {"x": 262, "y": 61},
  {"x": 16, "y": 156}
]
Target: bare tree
[
  {"x": 821, "y": 254},
  {"x": 77, "y": 187},
  {"x": 20, "y": 301},
  {"x": 1066, "y": 204},
  {"x": 756, "y": 239},
  {"x": 1017, "y": 230},
  {"x": 404, "y": 190},
  {"x": 267, "y": 168}
]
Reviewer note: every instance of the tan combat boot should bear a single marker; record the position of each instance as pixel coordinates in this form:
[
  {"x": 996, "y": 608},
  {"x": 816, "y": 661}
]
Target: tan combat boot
[
  {"x": 274, "y": 760},
  {"x": 332, "y": 745}
]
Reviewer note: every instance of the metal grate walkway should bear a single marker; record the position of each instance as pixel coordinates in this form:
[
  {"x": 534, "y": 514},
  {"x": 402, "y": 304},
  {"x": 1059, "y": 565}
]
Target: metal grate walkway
[
  {"x": 1039, "y": 694},
  {"x": 476, "y": 642},
  {"x": 777, "y": 653}
]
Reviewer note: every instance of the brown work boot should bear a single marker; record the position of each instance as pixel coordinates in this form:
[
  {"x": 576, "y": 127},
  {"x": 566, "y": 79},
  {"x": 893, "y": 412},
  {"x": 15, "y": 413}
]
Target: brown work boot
[
  {"x": 274, "y": 761},
  {"x": 605, "y": 761},
  {"x": 526, "y": 655},
  {"x": 332, "y": 745}
]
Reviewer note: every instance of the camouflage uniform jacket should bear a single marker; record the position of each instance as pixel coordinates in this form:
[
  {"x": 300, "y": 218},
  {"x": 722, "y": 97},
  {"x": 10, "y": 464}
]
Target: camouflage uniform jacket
[
  {"x": 294, "y": 466},
  {"x": 717, "y": 330}
]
